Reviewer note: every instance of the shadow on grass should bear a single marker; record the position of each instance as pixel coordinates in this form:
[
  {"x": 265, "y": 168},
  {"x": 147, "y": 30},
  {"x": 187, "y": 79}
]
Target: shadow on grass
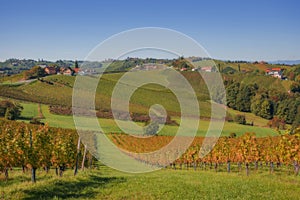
[
  {"x": 72, "y": 189},
  {"x": 24, "y": 118},
  {"x": 13, "y": 179}
]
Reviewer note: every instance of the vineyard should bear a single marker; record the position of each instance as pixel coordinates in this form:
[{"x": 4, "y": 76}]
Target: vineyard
[
  {"x": 247, "y": 151},
  {"x": 31, "y": 147}
]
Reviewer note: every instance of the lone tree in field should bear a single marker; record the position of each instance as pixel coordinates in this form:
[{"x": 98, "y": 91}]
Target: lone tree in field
[
  {"x": 10, "y": 110},
  {"x": 151, "y": 129}
]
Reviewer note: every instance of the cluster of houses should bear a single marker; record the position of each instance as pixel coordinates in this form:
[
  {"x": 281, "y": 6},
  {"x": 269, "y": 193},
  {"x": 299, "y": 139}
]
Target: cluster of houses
[
  {"x": 207, "y": 69},
  {"x": 68, "y": 71},
  {"x": 51, "y": 70},
  {"x": 276, "y": 72},
  {"x": 148, "y": 67},
  {"x": 204, "y": 69}
]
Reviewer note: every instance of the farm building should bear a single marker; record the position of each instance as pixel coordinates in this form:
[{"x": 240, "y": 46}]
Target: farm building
[
  {"x": 275, "y": 72},
  {"x": 50, "y": 70}
]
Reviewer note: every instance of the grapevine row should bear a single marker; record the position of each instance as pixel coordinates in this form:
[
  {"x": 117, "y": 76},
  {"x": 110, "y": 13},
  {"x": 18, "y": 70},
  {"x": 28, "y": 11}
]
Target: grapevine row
[
  {"x": 33, "y": 147},
  {"x": 246, "y": 151}
]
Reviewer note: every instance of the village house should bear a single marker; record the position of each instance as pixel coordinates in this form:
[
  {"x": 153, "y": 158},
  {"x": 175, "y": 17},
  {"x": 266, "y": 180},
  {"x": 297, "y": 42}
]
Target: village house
[
  {"x": 68, "y": 71},
  {"x": 42, "y": 66},
  {"x": 275, "y": 72},
  {"x": 50, "y": 70},
  {"x": 183, "y": 69},
  {"x": 76, "y": 70},
  {"x": 206, "y": 69}
]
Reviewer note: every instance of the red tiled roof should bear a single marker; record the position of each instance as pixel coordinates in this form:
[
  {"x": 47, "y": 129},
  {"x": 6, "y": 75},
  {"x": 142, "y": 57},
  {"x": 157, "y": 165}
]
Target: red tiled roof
[
  {"x": 76, "y": 70},
  {"x": 276, "y": 69},
  {"x": 273, "y": 69}
]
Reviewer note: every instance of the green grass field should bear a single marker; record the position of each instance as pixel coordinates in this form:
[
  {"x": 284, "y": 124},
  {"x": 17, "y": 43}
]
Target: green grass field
[
  {"x": 106, "y": 183},
  {"x": 140, "y": 102},
  {"x": 109, "y": 125},
  {"x": 30, "y": 110},
  {"x": 47, "y": 92}
]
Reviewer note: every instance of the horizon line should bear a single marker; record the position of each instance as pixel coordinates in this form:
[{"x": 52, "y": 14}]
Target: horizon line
[{"x": 107, "y": 59}]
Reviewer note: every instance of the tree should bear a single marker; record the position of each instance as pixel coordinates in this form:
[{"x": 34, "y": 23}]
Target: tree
[
  {"x": 10, "y": 110},
  {"x": 256, "y": 104},
  {"x": 241, "y": 119},
  {"x": 34, "y": 72},
  {"x": 264, "y": 103},
  {"x": 266, "y": 109},
  {"x": 287, "y": 109},
  {"x": 151, "y": 129},
  {"x": 231, "y": 92},
  {"x": 181, "y": 63},
  {"x": 243, "y": 98},
  {"x": 295, "y": 87},
  {"x": 76, "y": 64}
]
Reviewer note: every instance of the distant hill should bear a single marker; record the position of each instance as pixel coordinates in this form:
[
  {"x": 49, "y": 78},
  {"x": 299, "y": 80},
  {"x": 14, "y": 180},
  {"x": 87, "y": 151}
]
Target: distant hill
[
  {"x": 285, "y": 62},
  {"x": 17, "y": 66}
]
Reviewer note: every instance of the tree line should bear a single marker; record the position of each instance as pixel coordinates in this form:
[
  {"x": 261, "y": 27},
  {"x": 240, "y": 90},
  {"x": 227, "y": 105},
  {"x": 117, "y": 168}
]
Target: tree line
[{"x": 268, "y": 104}]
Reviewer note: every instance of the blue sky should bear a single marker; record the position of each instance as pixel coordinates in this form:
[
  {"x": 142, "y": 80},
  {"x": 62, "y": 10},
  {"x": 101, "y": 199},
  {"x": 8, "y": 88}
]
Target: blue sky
[{"x": 231, "y": 29}]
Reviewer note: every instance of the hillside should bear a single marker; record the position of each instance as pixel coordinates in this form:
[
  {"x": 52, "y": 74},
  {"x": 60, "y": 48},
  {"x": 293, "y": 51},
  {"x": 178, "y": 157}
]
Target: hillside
[{"x": 57, "y": 90}]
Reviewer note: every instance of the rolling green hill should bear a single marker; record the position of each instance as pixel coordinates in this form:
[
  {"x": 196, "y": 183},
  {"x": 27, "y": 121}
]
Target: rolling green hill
[{"x": 57, "y": 90}]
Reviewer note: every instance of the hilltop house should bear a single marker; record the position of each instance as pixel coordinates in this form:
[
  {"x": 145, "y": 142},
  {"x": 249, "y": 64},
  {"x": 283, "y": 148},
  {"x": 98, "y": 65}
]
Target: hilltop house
[
  {"x": 50, "y": 70},
  {"x": 183, "y": 69},
  {"x": 206, "y": 69},
  {"x": 42, "y": 66},
  {"x": 275, "y": 72},
  {"x": 76, "y": 70},
  {"x": 68, "y": 71}
]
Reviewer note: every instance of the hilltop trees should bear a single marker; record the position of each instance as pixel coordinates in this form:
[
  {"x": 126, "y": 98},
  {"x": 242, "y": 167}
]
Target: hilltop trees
[
  {"x": 287, "y": 109},
  {"x": 244, "y": 96},
  {"x": 182, "y": 63},
  {"x": 232, "y": 90},
  {"x": 264, "y": 103},
  {"x": 239, "y": 96},
  {"x": 262, "y": 106},
  {"x": 34, "y": 72}
]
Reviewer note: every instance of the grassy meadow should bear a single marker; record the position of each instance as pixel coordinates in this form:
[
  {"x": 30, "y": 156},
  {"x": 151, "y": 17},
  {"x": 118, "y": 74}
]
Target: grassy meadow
[
  {"x": 46, "y": 92},
  {"x": 110, "y": 126},
  {"x": 106, "y": 183},
  {"x": 30, "y": 110}
]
